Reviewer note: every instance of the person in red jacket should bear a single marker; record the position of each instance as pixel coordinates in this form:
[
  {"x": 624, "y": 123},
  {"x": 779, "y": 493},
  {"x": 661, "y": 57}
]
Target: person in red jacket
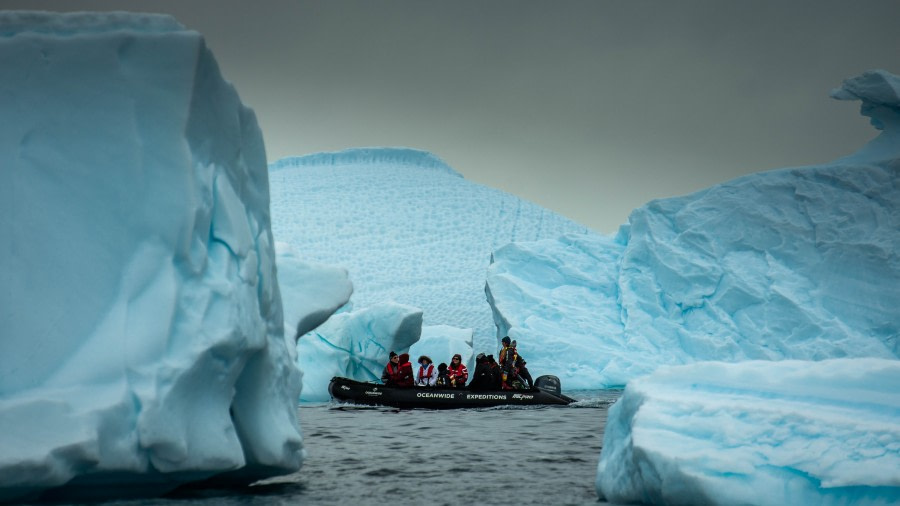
[
  {"x": 404, "y": 377},
  {"x": 391, "y": 369},
  {"x": 457, "y": 372}
]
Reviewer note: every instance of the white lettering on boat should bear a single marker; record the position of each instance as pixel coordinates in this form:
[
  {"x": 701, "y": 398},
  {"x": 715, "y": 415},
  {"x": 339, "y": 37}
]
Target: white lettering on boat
[
  {"x": 435, "y": 394},
  {"x": 373, "y": 392},
  {"x": 522, "y": 396},
  {"x": 493, "y": 397}
]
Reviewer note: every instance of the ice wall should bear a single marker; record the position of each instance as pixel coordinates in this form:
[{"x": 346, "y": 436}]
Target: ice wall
[
  {"x": 756, "y": 432},
  {"x": 408, "y": 229},
  {"x": 142, "y": 335},
  {"x": 796, "y": 263}
]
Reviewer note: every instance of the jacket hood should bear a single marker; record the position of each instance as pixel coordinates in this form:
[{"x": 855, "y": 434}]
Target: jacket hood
[{"x": 404, "y": 358}]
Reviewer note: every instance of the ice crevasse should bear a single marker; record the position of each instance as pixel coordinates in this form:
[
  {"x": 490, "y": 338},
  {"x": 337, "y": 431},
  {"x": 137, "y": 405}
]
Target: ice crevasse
[{"x": 137, "y": 292}]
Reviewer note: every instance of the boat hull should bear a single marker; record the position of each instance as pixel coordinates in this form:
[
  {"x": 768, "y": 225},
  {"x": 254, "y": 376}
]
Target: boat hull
[{"x": 373, "y": 394}]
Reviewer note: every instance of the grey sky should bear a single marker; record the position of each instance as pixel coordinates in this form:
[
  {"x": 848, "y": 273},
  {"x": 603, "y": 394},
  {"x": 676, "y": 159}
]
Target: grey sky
[{"x": 587, "y": 108}]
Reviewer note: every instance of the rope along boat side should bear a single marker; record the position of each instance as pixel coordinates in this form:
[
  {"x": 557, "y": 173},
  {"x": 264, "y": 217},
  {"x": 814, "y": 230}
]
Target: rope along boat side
[{"x": 546, "y": 392}]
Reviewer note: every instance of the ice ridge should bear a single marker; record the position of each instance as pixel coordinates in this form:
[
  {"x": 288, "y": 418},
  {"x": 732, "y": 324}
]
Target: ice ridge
[{"x": 367, "y": 157}]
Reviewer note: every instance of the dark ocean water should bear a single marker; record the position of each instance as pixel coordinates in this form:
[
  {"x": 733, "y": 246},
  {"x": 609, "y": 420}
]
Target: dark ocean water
[{"x": 360, "y": 455}]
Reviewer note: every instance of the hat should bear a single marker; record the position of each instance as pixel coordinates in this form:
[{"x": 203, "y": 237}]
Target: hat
[
  {"x": 424, "y": 357},
  {"x": 480, "y": 357},
  {"x": 392, "y": 355},
  {"x": 505, "y": 340},
  {"x": 513, "y": 343}
]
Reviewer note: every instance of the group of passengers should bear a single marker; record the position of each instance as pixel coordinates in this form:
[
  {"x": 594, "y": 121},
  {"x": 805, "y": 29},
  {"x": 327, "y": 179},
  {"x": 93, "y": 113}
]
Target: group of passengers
[{"x": 509, "y": 373}]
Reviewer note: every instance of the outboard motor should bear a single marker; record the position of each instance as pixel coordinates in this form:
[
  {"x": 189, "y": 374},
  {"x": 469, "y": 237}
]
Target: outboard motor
[{"x": 549, "y": 383}]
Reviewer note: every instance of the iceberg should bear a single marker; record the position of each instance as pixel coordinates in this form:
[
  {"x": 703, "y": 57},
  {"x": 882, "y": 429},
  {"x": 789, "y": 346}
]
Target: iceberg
[
  {"x": 756, "y": 432},
  {"x": 407, "y": 227},
  {"x": 310, "y": 293},
  {"x": 355, "y": 345},
  {"x": 441, "y": 342},
  {"x": 799, "y": 263},
  {"x": 139, "y": 292}
]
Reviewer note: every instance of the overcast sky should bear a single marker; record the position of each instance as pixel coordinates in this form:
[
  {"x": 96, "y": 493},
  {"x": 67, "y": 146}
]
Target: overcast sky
[{"x": 587, "y": 108}]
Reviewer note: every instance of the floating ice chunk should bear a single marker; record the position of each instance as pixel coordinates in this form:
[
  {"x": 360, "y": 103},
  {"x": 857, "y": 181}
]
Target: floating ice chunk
[
  {"x": 355, "y": 345},
  {"x": 756, "y": 432}
]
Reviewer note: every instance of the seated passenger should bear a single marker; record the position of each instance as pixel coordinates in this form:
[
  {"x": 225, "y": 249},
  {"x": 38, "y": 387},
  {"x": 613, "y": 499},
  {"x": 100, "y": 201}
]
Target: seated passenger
[
  {"x": 427, "y": 372},
  {"x": 496, "y": 374},
  {"x": 404, "y": 377},
  {"x": 482, "y": 379},
  {"x": 457, "y": 372},
  {"x": 443, "y": 379},
  {"x": 391, "y": 369},
  {"x": 522, "y": 371}
]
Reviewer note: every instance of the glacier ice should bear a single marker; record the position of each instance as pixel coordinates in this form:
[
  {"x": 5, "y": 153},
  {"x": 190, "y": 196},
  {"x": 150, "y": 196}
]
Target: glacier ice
[
  {"x": 355, "y": 344},
  {"x": 407, "y": 227},
  {"x": 797, "y": 263},
  {"x": 441, "y": 342},
  {"x": 310, "y": 293},
  {"x": 139, "y": 293},
  {"x": 756, "y": 432}
]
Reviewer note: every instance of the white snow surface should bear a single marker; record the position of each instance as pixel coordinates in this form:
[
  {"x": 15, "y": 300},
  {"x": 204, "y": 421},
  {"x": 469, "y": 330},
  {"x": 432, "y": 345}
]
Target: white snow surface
[
  {"x": 355, "y": 345},
  {"x": 142, "y": 334},
  {"x": 408, "y": 229},
  {"x": 756, "y": 432},
  {"x": 799, "y": 263}
]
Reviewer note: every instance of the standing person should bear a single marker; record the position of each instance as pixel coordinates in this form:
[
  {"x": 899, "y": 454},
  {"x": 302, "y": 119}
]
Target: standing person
[
  {"x": 507, "y": 364},
  {"x": 404, "y": 376},
  {"x": 457, "y": 372},
  {"x": 391, "y": 369},
  {"x": 427, "y": 372}
]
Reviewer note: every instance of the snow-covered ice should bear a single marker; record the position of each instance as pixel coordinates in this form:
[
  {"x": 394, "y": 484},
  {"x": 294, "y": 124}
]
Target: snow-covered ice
[
  {"x": 796, "y": 263},
  {"x": 756, "y": 432},
  {"x": 407, "y": 227},
  {"x": 142, "y": 332}
]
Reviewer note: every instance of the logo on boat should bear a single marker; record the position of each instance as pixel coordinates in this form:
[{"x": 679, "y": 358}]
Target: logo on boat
[
  {"x": 522, "y": 396},
  {"x": 435, "y": 394},
  {"x": 492, "y": 397},
  {"x": 373, "y": 392},
  {"x": 345, "y": 387}
]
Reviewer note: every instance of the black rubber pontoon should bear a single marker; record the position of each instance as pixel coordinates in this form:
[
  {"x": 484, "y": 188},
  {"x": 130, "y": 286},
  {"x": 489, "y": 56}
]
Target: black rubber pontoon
[{"x": 546, "y": 392}]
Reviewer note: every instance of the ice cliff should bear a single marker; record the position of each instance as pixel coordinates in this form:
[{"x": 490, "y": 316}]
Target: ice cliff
[
  {"x": 142, "y": 335},
  {"x": 797, "y": 263},
  {"x": 409, "y": 230}
]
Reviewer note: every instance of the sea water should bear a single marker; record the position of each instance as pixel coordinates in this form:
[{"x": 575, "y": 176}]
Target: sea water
[{"x": 369, "y": 455}]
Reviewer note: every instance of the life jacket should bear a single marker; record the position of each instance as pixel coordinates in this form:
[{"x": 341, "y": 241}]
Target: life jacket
[{"x": 425, "y": 373}]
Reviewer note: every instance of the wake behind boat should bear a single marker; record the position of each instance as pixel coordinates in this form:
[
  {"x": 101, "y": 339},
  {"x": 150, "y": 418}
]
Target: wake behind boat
[{"x": 546, "y": 392}]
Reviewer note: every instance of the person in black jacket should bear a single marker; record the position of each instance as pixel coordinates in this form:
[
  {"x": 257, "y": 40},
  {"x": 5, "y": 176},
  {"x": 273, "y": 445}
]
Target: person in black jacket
[{"x": 482, "y": 378}]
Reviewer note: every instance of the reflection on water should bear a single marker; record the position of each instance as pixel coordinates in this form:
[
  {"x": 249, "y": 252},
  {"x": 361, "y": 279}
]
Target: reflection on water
[{"x": 364, "y": 455}]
